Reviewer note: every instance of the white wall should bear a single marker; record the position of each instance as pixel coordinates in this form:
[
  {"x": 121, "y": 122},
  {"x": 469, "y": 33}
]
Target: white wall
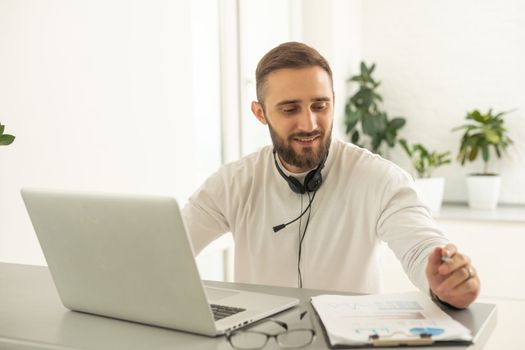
[
  {"x": 261, "y": 28},
  {"x": 334, "y": 28},
  {"x": 439, "y": 59},
  {"x": 100, "y": 96}
]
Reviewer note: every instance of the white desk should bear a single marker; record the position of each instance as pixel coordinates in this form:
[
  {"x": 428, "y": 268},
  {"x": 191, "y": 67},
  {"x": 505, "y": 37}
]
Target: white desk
[{"x": 32, "y": 317}]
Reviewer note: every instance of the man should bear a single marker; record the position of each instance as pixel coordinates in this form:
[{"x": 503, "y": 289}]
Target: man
[{"x": 310, "y": 211}]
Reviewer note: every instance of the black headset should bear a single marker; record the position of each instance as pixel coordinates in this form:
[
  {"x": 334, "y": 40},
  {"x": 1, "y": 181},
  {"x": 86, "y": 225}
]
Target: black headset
[{"x": 312, "y": 181}]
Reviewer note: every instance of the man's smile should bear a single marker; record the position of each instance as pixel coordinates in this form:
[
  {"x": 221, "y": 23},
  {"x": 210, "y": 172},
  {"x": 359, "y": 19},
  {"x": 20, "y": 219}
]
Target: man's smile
[{"x": 306, "y": 141}]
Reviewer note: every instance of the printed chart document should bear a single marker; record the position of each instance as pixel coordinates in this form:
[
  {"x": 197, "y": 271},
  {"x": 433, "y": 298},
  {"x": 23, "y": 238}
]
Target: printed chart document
[{"x": 387, "y": 320}]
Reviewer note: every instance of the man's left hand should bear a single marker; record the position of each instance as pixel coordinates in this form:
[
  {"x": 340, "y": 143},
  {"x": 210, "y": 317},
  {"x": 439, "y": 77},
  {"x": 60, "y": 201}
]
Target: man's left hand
[{"x": 454, "y": 281}]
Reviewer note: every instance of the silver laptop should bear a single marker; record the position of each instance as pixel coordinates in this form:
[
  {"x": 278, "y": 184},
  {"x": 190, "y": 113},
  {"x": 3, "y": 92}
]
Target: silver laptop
[{"x": 129, "y": 257}]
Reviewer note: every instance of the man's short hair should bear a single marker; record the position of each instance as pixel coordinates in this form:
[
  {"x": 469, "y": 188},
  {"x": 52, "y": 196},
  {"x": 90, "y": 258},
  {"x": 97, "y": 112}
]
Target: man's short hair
[{"x": 288, "y": 55}]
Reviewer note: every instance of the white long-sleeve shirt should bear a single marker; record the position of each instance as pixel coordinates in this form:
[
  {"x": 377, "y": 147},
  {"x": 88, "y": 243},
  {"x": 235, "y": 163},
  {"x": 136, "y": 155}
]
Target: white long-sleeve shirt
[{"x": 363, "y": 200}]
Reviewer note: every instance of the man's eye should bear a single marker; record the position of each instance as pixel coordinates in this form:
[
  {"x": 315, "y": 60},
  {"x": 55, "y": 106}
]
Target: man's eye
[
  {"x": 290, "y": 110},
  {"x": 319, "y": 106}
]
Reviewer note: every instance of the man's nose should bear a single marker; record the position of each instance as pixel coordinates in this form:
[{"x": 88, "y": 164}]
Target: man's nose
[{"x": 308, "y": 121}]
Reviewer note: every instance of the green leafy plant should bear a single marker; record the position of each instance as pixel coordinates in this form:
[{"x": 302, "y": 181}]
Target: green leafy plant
[
  {"x": 5, "y": 139},
  {"x": 483, "y": 132},
  {"x": 364, "y": 117},
  {"x": 424, "y": 161}
]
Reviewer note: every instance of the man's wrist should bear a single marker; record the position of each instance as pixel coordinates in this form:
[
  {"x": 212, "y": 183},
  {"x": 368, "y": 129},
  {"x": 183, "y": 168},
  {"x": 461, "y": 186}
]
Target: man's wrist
[{"x": 436, "y": 299}]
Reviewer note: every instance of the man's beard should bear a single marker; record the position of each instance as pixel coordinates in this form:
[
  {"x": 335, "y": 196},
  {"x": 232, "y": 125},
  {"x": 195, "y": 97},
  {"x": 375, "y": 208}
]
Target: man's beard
[{"x": 310, "y": 157}]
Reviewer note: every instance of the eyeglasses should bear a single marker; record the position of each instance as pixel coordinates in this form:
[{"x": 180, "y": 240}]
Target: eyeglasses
[{"x": 286, "y": 338}]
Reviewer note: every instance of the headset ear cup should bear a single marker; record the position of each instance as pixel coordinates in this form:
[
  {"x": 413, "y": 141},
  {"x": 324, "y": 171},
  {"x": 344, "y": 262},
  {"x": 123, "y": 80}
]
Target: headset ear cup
[
  {"x": 313, "y": 180},
  {"x": 295, "y": 185}
]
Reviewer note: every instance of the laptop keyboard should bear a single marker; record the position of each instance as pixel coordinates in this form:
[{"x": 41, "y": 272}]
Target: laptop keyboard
[{"x": 222, "y": 311}]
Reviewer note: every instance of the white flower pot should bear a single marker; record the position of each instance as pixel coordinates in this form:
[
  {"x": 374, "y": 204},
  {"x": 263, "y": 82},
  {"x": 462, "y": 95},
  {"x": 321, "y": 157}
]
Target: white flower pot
[
  {"x": 483, "y": 191},
  {"x": 430, "y": 192}
]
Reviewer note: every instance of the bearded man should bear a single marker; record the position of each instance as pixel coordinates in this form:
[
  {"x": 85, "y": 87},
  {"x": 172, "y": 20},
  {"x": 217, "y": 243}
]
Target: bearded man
[{"x": 311, "y": 211}]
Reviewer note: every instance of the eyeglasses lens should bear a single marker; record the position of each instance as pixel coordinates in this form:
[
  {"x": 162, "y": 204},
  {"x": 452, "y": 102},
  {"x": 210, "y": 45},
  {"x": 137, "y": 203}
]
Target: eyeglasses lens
[
  {"x": 248, "y": 340},
  {"x": 295, "y": 338}
]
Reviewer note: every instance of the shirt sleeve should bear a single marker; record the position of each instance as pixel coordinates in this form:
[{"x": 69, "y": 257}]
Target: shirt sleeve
[
  {"x": 406, "y": 225},
  {"x": 204, "y": 214}
]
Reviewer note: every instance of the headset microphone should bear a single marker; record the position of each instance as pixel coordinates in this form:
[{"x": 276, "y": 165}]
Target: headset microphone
[{"x": 281, "y": 226}]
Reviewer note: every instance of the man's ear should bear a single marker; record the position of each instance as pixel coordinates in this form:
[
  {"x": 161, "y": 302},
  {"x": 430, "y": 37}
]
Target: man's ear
[{"x": 258, "y": 112}]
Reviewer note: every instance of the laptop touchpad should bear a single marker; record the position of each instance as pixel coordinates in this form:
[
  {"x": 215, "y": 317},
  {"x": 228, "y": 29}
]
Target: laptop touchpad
[{"x": 218, "y": 294}]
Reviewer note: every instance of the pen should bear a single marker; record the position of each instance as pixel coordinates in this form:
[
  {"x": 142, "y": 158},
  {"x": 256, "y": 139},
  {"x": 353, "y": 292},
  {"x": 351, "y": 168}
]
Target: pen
[{"x": 446, "y": 259}]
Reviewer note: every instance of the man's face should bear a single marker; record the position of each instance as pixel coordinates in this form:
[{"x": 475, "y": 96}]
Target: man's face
[{"x": 298, "y": 108}]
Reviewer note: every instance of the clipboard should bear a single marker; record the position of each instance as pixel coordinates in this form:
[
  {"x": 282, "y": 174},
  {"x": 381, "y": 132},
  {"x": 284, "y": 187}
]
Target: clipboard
[
  {"x": 423, "y": 339},
  {"x": 387, "y": 341},
  {"x": 387, "y": 320}
]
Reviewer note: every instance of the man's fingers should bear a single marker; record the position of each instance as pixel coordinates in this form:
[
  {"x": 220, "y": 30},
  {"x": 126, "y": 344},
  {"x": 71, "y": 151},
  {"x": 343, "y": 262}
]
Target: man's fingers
[
  {"x": 455, "y": 263},
  {"x": 464, "y": 294},
  {"x": 469, "y": 286},
  {"x": 451, "y": 276},
  {"x": 449, "y": 250},
  {"x": 454, "y": 283},
  {"x": 435, "y": 260}
]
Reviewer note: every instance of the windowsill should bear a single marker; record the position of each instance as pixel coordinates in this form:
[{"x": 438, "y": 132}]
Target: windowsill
[{"x": 461, "y": 211}]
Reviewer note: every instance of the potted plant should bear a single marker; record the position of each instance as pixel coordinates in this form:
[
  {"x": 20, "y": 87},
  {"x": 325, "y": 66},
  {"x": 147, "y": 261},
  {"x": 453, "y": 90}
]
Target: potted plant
[
  {"x": 5, "y": 139},
  {"x": 484, "y": 134},
  {"x": 429, "y": 189},
  {"x": 363, "y": 117}
]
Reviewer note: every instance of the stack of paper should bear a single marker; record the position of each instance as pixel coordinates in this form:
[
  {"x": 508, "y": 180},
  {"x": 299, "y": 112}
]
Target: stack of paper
[{"x": 355, "y": 320}]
